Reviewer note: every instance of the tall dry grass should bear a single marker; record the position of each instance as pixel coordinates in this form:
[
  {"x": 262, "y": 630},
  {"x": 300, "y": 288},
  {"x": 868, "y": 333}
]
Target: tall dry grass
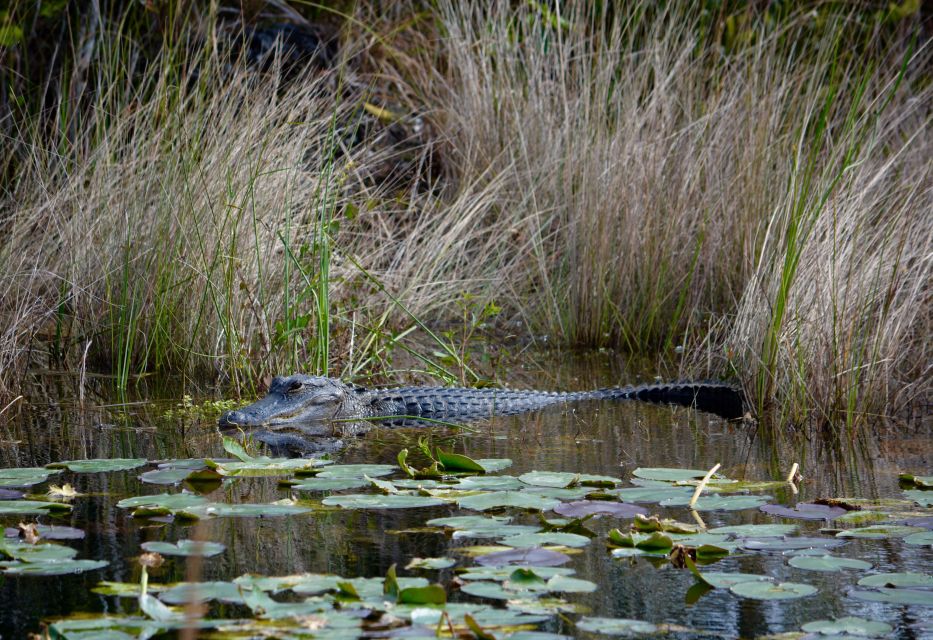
[{"x": 758, "y": 211}]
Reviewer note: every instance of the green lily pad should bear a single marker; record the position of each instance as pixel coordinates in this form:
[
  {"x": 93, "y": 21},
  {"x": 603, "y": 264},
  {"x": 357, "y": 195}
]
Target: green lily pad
[
  {"x": 762, "y": 590},
  {"x": 556, "y": 493},
  {"x": 653, "y": 494},
  {"x": 616, "y": 626},
  {"x": 245, "y": 510},
  {"x": 502, "y": 499},
  {"x": 896, "y": 596},
  {"x": 804, "y": 511},
  {"x": 655, "y": 541},
  {"x": 827, "y": 563},
  {"x": 669, "y": 475},
  {"x": 904, "y": 579},
  {"x": 790, "y": 543},
  {"x": 545, "y": 538},
  {"x": 523, "y": 556},
  {"x": 849, "y": 625},
  {"x": 185, "y": 548},
  {"x": 42, "y": 552},
  {"x": 721, "y": 580},
  {"x": 925, "y": 538},
  {"x": 52, "y": 567},
  {"x": 495, "y": 590},
  {"x": 559, "y": 479},
  {"x": 565, "y": 584},
  {"x": 186, "y": 592},
  {"x": 920, "y": 496},
  {"x": 329, "y": 484},
  {"x": 489, "y": 483},
  {"x": 470, "y": 522},
  {"x": 458, "y": 462},
  {"x": 430, "y": 563},
  {"x": 357, "y": 470},
  {"x": 100, "y": 465},
  {"x": 25, "y": 476},
  {"x": 923, "y": 482},
  {"x": 581, "y": 508},
  {"x": 880, "y": 532},
  {"x": 500, "y": 574},
  {"x": 380, "y": 501},
  {"x": 165, "y": 476},
  {"x": 756, "y": 530},
  {"x": 499, "y": 531},
  {"x": 491, "y": 465},
  {"x": 720, "y": 503},
  {"x": 31, "y": 507},
  {"x": 161, "y": 504}
]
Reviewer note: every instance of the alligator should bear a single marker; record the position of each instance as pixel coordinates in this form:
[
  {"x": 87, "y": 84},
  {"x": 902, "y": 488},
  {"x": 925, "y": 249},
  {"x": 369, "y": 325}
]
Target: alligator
[{"x": 306, "y": 402}]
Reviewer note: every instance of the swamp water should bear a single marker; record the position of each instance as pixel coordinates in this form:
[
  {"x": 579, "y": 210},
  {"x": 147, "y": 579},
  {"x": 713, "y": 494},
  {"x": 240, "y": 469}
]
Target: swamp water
[{"x": 555, "y": 575}]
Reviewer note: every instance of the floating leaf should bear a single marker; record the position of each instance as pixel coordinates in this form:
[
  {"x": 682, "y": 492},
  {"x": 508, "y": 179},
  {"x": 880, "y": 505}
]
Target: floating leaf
[
  {"x": 616, "y": 626},
  {"x": 904, "y": 579},
  {"x": 165, "y": 476},
  {"x": 582, "y": 508},
  {"x": 185, "y": 548},
  {"x": 161, "y": 504},
  {"x": 920, "y": 496},
  {"x": 720, "y": 580},
  {"x": 430, "y": 563},
  {"x": 329, "y": 484},
  {"x": 546, "y": 538},
  {"x": 827, "y": 563},
  {"x": 489, "y": 483},
  {"x": 880, "y": 532},
  {"x": 804, "y": 511},
  {"x": 357, "y": 470},
  {"x": 761, "y": 590},
  {"x": 188, "y": 592},
  {"x": 669, "y": 475},
  {"x": 502, "y": 499},
  {"x": 249, "y": 510},
  {"x": 431, "y": 594},
  {"x": 564, "y": 584},
  {"x": 529, "y": 557},
  {"x": 42, "y": 552},
  {"x": 896, "y": 596},
  {"x": 557, "y": 479},
  {"x": 924, "y": 538},
  {"x": 787, "y": 544},
  {"x": 719, "y": 503},
  {"x": 756, "y": 530},
  {"x": 371, "y": 501},
  {"x": 503, "y": 573},
  {"x": 653, "y": 494},
  {"x": 100, "y": 465},
  {"x": 53, "y": 567},
  {"x": 922, "y": 482},
  {"x": 492, "y": 465},
  {"x": 31, "y": 507},
  {"x": 849, "y": 625},
  {"x": 25, "y": 476}
]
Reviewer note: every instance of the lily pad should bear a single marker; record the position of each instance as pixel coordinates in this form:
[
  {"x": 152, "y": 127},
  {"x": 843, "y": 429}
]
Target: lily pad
[
  {"x": 719, "y": 503},
  {"x": 185, "y": 548},
  {"x": 804, "y": 511},
  {"x": 502, "y": 499},
  {"x": 925, "y": 538},
  {"x": 528, "y": 557},
  {"x": 188, "y": 592},
  {"x": 329, "y": 484},
  {"x": 31, "y": 507},
  {"x": 470, "y": 522},
  {"x": 99, "y": 465},
  {"x": 721, "y": 580},
  {"x": 880, "y": 532},
  {"x": 503, "y": 573},
  {"x": 357, "y": 470},
  {"x": 668, "y": 475},
  {"x": 430, "y": 563},
  {"x": 545, "y": 538},
  {"x": 897, "y": 596},
  {"x": 827, "y": 563},
  {"x": 244, "y": 510},
  {"x": 165, "y": 476},
  {"x": 42, "y": 552},
  {"x": 653, "y": 494},
  {"x": 849, "y": 625},
  {"x": 489, "y": 483},
  {"x": 53, "y": 567},
  {"x": 920, "y": 496},
  {"x": 582, "y": 508},
  {"x": 762, "y": 590},
  {"x": 904, "y": 579},
  {"x": 161, "y": 504},
  {"x": 756, "y": 530},
  {"x": 381, "y": 501},
  {"x": 791, "y": 543},
  {"x": 25, "y": 476},
  {"x": 616, "y": 626}
]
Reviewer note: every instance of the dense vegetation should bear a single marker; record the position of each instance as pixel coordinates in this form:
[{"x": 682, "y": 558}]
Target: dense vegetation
[{"x": 739, "y": 190}]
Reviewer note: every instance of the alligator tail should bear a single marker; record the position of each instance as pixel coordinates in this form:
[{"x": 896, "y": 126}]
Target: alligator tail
[{"x": 720, "y": 398}]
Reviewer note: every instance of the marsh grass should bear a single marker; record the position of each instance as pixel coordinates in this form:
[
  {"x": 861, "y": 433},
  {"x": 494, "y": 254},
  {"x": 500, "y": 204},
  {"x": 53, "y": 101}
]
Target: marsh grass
[{"x": 750, "y": 202}]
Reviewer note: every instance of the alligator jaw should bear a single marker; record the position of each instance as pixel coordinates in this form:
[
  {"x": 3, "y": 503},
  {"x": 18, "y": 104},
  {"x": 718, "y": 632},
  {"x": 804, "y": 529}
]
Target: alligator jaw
[{"x": 295, "y": 399}]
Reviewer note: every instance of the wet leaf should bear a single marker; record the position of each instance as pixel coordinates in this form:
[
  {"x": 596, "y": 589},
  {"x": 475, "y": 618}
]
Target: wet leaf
[
  {"x": 492, "y": 465},
  {"x": 545, "y": 538},
  {"x": 788, "y": 544},
  {"x": 804, "y": 511},
  {"x": 25, "y": 476},
  {"x": 880, "y": 532},
  {"x": 186, "y": 548},
  {"x": 616, "y": 626},
  {"x": 582, "y": 508},
  {"x": 528, "y": 557},
  {"x": 849, "y": 625},
  {"x": 165, "y": 476},
  {"x": 41, "y": 552},
  {"x": 431, "y": 594},
  {"x": 247, "y": 510},
  {"x": 186, "y": 592},
  {"x": 903, "y": 579},
  {"x": 502, "y": 499},
  {"x": 357, "y": 470},
  {"x": 896, "y": 596},
  {"x": 161, "y": 504},
  {"x": 57, "y": 532},
  {"x": 761, "y": 590},
  {"x": 489, "y": 483},
  {"x": 470, "y": 522},
  {"x": 430, "y": 563},
  {"x": 756, "y": 530},
  {"x": 827, "y": 563},
  {"x": 373, "y": 501},
  {"x": 557, "y": 479},
  {"x": 664, "y": 474},
  {"x": 922, "y": 497},
  {"x": 653, "y": 494},
  {"x": 31, "y": 507},
  {"x": 564, "y": 584},
  {"x": 53, "y": 567},
  {"x": 925, "y": 538},
  {"x": 921, "y": 482},
  {"x": 458, "y": 462},
  {"x": 721, "y": 580},
  {"x": 100, "y": 465},
  {"x": 502, "y": 573},
  {"x": 719, "y": 503},
  {"x": 329, "y": 484}
]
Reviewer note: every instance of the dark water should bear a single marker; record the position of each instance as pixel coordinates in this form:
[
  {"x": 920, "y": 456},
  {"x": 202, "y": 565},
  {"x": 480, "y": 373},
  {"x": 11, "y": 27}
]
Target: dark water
[{"x": 599, "y": 438}]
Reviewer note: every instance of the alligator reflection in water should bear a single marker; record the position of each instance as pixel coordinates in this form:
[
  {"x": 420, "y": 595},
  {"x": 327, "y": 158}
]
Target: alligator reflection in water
[{"x": 313, "y": 406}]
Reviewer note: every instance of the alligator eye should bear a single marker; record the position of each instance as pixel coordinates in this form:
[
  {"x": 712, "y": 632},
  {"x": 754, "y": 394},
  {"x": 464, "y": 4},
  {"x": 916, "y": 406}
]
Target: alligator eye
[{"x": 294, "y": 386}]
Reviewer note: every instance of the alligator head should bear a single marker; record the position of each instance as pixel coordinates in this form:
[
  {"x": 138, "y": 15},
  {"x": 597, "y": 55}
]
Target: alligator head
[{"x": 298, "y": 398}]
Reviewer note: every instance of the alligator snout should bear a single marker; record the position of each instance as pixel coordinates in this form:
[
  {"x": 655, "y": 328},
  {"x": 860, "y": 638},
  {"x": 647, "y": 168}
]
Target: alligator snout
[{"x": 234, "y": 419}]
